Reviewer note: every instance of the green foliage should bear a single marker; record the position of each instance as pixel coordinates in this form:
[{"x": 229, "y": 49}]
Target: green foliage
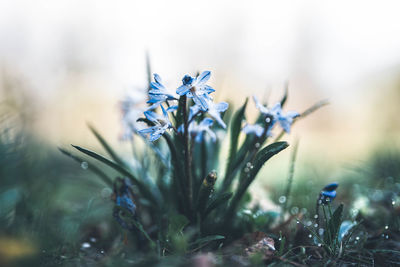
[{"x": 236, "y": 127}]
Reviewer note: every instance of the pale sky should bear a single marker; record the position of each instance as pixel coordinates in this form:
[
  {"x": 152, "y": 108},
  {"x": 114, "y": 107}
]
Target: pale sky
[{"x": 258, "y": 43}]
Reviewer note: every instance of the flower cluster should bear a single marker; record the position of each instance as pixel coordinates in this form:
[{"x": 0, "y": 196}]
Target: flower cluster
[
  {"x": 272, "y": 116},
  {"x": 166, "y": 99}
]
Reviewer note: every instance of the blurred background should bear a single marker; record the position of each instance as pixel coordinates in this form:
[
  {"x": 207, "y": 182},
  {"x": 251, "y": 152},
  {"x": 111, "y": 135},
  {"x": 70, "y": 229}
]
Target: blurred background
[
  {"x": 72, "y": 61},
  {"x": 66, "y": 63}
]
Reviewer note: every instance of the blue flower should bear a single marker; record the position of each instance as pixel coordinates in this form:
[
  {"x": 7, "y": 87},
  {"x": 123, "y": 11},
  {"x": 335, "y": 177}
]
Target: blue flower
[
  {"x": 161, "y": 124},
  {"x": 276, "y": 113},
  {"x": 130, "y": 112},
  {"x": 123, "y": 199},
  {"x": 198, "y": 130},
  {"x": 328, "y": 193},
  {"x": 159, "y": 93},
  {"x": 214, "y": 110},
  {"x": 286, "y": 119},
  {"x": 253, "y": 129},
  {"x": 196, "y": 88},
  {"x": 201, "y": 128}
]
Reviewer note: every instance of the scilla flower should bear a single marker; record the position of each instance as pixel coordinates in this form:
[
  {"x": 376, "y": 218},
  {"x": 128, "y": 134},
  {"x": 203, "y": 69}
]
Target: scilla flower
[
  {"x": 196, "y": 88},
  {"x": 198, "y": 130},
  {"x": 253, "y": 129},
  {"x": 214, "y": 110},
  {"x": 130, "y": 107},
  {"x": 123, "y": 198},
  {"x": 159, "y": 93},
  {"x": 328, "y": 193},
  {"x": 286, "y": 119},
  {"x": 275, "y": 113},
  {"x": 161, "y": 124}
]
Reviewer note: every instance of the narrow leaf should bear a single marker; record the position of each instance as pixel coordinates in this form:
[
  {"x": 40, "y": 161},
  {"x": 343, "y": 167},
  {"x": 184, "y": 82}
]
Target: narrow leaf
[
  {"x": 142, "y": 188},
  {"x": 265, "y": 154},
  {"x": 236, "y": 126},
  {"x": 261, "y": 157},
  {"x": 106, "y": 146},
  {"x": 91, "y": 167},
  {"x": 336, "y": 220},
  {"x": 216, "y": 202},
  {"x": 207, "y": 239}
]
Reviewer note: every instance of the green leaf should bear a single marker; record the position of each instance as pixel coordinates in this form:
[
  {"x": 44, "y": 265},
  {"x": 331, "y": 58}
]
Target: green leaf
[
  {"x": 106, "y": 146},
  {"x": 282, "y": 244},
  {"x": 265, "y": 154},
  {"x": 333, "y": 226},
  {"x": 177, "y": 223},
  {"x": 144, "y": 191},
  {"x": 91, "y": 167},
  {"x": 207, "y": 239},
  {"x": 218, "y": 201},
  {"x": 336, "y": 221},
  {"x": 236, "y": 126},
  {"x": 179, "y": 112},
  {"x": 261, "y": 157},
  {"x": 177, "y": 168}
]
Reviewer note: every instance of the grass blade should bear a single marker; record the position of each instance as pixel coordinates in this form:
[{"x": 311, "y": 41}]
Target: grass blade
[
  {"x": 236, "y": 126},
  {"x": 106, "y": 146},
  {"x": 91, "y": 167},
  {"x": 261, "y": 157},
  {"x": 142, "y": 187},
  {"x": 216, "y": 202},
  {"x": 304, "y": 114}
]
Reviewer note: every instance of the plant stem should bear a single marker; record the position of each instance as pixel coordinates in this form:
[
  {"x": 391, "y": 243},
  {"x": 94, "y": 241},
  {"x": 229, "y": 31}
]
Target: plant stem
[{"x": 188, "y": 167}]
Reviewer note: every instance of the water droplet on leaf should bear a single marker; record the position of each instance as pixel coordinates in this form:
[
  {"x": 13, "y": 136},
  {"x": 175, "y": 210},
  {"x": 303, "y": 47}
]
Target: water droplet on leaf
[
  {"x": 282, "y": 199},
  {"x": 86, "y": 245},
  {"x": 84, "y": 165}
]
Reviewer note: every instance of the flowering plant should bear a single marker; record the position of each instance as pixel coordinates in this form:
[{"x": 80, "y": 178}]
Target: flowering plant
[{"x": 172, "y": 196}]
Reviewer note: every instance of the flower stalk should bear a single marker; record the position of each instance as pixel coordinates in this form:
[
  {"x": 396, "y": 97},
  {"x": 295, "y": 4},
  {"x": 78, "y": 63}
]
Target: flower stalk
[{"x": 188, "y": 167}]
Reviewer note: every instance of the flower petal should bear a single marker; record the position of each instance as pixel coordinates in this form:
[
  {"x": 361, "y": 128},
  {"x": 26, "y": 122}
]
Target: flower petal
[
  {"x": 201, "y": 101},
  {"x": 183, "y": 89},
  {"x": 206, "y": 122},
  {"x": 221, "y": 107},
  {"x": 157, "y": 78},
  {"x": 253, "y": 129},
  {"x": 203, "y": 77}
]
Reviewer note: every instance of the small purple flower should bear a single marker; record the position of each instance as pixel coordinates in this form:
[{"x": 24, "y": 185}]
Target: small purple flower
[
  {"x": 162, "y": 123},
  {"x": 196, "y": 88}
]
